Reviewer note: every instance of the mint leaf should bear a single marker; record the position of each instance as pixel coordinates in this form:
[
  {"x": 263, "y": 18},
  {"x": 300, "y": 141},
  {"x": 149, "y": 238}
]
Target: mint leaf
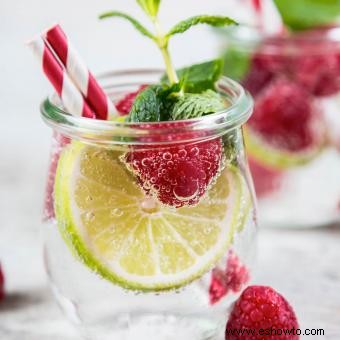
[
  {"x": 133, "y": 21},
  {"x": 193, "y": 105},
  {"x": 154, "y": 104},
  {"x": 304, "y": 14},
  {"x": 217, "y": 21},
  {"x": 200, "y": 77},
  {"x": 150, "y": 7},
  {"x": 236, "y": 63}
]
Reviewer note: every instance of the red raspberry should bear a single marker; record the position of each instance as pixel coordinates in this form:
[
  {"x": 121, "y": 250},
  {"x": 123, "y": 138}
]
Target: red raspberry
[
  {"x": 2, "y": 284},
  {"x": 231, "y": 279},
  {"x": 266, "y": 180},
  {"x": 259, "y": 76},
  {"x": 258, "y": 308},
  {"x": 177, "y": 175},
  {"x": 59, "y": 142},
  {"x": 124, "y": 105},
  {"x": 285, "y": 115},
  {"x": 319, "y": 74}
]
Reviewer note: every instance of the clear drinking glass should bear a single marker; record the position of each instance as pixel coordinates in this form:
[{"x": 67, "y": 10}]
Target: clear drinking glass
[
  {"x": 293, "y": 137},
  {"x": 149, "y": 228}
]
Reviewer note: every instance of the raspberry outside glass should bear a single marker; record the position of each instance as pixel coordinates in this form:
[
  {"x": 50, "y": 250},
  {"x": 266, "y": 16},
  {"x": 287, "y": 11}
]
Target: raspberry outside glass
[
  {"x": 149, "y": 228},
  {"x": 293, "y": 137}
]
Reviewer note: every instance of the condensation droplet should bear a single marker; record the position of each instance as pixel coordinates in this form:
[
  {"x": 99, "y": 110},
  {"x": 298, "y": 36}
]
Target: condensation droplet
[
  {"x": 117, "y": 212},
  {"x": 145, "y": 161},
  {"x": 194, "y": 151},
  {"x": 155, "y": 187},
  {"x": 186, "y": 198},
  {"x": 167, "y": 156},
  {"x": 90, "y": 216},
  {"x": 182, "y": 153}
]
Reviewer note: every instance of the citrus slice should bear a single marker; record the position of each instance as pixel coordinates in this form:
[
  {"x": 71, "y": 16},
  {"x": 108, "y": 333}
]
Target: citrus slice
[
  {"x": 278, "y": 158},
  {"x": 131, "y": 239}
]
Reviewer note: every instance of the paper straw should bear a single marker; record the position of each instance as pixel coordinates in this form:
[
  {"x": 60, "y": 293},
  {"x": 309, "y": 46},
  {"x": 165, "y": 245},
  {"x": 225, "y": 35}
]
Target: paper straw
[
  {"x": 79, "y": 73},
  {"x": 71, "y": 97}
]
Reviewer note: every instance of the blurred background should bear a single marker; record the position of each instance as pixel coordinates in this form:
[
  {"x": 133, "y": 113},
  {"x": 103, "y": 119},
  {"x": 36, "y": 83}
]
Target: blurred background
[{"x": 29, "y": 312}]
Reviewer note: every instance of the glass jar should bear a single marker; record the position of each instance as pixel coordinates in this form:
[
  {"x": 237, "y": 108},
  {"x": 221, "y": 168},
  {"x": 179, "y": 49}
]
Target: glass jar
[
  {"x": 293, "y": 137},
  {"x": 149, "y": 228}
]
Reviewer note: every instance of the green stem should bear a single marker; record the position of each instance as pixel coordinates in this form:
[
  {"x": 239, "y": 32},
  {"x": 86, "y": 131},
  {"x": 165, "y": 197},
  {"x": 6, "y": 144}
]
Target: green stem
[
  {"x": 162, "y": 43},
  {"x": 172, "y": 75}
]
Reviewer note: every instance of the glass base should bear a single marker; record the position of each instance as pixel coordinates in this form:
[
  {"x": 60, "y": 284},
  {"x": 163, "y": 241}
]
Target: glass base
[{"x": 154, "y": 327}]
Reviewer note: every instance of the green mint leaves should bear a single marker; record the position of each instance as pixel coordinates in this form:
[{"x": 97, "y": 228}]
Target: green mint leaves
[
  {"x": 154, "y": 104},
  {"x": 304, "y": 14},
  {"x": 148, "y": 105},
  {"x": 217, "y": 21},
  {"x": 160, "y": 103},
  {"x": 187, "y": 93},
  {"x": 133, "y": 21},
  {"x": 150, "y": 7},
  {"x": 194, "y": 105},
  {"x": 192, "y": 97},
  {"x": 200, "y": 77}
]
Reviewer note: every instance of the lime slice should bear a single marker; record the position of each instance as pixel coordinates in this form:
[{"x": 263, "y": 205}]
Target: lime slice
[
  {"x": 277, "y": 158},
  {"x": 131, "y": 239}
]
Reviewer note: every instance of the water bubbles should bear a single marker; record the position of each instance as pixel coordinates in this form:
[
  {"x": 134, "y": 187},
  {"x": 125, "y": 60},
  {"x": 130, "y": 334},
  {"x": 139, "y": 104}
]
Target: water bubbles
[
  {"x": 170, "y": 163},
  {"x": 146, "y": 162},
  {"x": 194, "y": 151},
  {"x": 182, "y": 153},
  {"x": 179, "y": 195},
  {"x": 116, "y": 212},
  {"x": 146, "y": 185},
  {"x": 153, "y": 180},
  {"x": 90, "y": 216},
  {"x": 155, "y": 187},
  {"x": 207, "y": 231},
  {"x": 167, "y": 156},
  {"x": 207, "y": 165},
  {"x": 149, "y": 205},
  {"x": 136, "y": 164},
  {"x": 202, "y": 174}
]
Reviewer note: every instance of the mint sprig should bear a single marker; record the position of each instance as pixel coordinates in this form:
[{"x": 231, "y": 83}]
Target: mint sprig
[{"x": 151, "y": 8}]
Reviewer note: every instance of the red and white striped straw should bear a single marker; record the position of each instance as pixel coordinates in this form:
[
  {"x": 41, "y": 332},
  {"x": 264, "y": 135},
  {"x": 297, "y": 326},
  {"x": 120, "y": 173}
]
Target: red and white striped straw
[
  {"x": 257, "y": 4},
  {"x": 79, "y": 73},
  {"x": 71, "y": 97},
  {"x": 267, "y": 16}
]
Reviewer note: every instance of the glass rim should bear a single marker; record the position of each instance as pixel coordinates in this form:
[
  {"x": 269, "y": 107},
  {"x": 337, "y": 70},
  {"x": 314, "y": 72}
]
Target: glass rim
[
  {"x": 115, "y": 132},
  {"x": 316, "y": 41}
]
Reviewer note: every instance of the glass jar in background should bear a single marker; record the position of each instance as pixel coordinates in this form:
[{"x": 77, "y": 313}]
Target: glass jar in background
[
  {"x": 293, "y": 137},
  {"x": 149, "y": 228}
]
